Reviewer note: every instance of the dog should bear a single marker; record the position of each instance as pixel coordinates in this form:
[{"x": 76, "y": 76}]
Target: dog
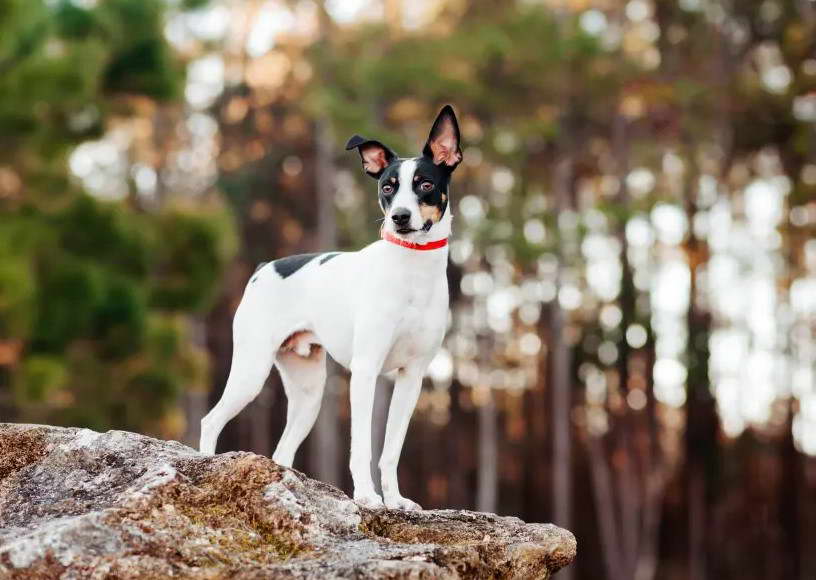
[{"x": 381, "y": 310}]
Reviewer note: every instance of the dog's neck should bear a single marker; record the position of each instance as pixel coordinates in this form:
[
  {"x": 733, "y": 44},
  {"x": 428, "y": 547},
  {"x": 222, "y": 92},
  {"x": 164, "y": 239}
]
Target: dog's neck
[
  {"x": 433, "y": 245},
  {"x": 425, "y": 265},
  {"x": 429, "y": 246}
]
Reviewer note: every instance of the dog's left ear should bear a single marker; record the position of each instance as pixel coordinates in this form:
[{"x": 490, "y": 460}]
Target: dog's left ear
[
  {"x": 376, "y": 156},
  {"x": 443, "y": 142}
]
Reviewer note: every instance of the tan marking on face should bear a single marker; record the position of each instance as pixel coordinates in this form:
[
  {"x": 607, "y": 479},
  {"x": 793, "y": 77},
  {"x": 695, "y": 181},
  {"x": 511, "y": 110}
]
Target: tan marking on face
[
  {"x": 392, "y": 179},
  {"x": 430, "y": 212},
  {"x": 444, "y": 197}
]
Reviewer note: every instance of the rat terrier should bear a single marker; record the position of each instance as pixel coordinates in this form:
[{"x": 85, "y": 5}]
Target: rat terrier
[{"x": 382, "y": 310}]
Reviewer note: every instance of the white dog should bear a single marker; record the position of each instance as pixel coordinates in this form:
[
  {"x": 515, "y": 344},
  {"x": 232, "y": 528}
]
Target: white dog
[{"x": 381, "y": 310}]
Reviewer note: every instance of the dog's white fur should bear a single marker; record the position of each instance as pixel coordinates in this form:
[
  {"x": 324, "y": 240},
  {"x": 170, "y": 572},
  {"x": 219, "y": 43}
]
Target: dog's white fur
[{"x": 380, "y": 310}]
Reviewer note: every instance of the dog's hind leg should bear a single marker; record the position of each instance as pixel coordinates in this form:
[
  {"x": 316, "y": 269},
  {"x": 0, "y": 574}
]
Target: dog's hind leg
[
  {"x": 254, "y": 348},
  {"x": 303, "y": 372}
]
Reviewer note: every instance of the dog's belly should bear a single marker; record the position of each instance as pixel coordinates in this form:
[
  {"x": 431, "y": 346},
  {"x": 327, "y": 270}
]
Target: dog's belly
[
  {"x": 340, "y": 350},
  {"x": 334, "y": 329},
  {"x": 404, "y": 351},
  {"x": 412, "y": 341}
]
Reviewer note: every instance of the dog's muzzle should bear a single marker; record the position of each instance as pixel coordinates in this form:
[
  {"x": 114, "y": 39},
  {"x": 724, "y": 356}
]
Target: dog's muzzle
[{"x": 401, "y": 216}]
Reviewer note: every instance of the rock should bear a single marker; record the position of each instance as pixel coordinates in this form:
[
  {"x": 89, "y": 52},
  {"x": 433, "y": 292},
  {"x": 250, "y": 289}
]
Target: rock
[{"x": 79, "y": 504}]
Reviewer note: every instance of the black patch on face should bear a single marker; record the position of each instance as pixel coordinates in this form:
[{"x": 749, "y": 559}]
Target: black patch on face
[
  {"x": 285, "y": 267},
  {"x": 426, "y": 171},
  {"x": 439, "y": 177},
  {"x": 328, "y": 257},
  {"x": 390, "y": 176}
]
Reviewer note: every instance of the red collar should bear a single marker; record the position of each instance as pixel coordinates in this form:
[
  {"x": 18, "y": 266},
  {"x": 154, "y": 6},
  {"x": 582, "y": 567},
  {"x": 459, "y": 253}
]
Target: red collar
[{"x": 389, "y": 237}]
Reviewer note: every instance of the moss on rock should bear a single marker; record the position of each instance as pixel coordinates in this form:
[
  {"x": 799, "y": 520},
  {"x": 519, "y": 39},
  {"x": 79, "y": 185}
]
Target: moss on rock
[{"x": 119, "y": 505}]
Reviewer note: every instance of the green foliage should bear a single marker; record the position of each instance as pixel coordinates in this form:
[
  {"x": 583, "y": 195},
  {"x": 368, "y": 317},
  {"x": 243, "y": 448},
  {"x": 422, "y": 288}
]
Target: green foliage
[
  {"x": 69, "y": 293},
  {"x": 103, "y": 290},
  {"x": 60, "y": 65},
  {"x": 120, "y": 322},
  {"x": 140, "y": 60},
  {"x": 193, "y": 4},
  {"x": 96, "y": 297},
  {"x": 195, "y": 248},
  {"x": 39, "y": 377},
  {"x": 17, "y": 280},
  {"x": 109, "y": 233},
  {"x": 74, "y": 22}
]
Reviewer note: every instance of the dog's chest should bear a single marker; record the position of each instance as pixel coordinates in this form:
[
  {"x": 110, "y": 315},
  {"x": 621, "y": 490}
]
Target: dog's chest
[{"x": 419, "y": 324}]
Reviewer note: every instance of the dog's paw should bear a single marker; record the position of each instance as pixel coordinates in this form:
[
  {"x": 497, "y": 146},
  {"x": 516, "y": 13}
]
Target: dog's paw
[
  {"x": 369, "y": 500},
  {"x": 401, "y": 503}
]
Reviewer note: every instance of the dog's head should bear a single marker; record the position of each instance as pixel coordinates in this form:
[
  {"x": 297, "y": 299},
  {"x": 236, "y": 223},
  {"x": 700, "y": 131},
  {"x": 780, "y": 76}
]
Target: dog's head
[{"x": 414, "y": 192}]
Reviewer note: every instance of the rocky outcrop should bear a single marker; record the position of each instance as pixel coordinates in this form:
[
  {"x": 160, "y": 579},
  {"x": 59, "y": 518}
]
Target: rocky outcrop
[{"x": 76, "y": 503}]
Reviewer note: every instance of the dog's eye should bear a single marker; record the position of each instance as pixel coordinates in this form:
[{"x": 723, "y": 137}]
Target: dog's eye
[
  {"x": 426, "y": 186},
  {"x": 387, "y": 188}
]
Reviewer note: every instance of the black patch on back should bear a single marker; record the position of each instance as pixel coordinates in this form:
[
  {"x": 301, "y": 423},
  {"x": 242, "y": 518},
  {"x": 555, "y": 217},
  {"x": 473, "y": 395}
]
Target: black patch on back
[
  {"x": 291, "y": 264},
  {"x": 327, "y": 257}
]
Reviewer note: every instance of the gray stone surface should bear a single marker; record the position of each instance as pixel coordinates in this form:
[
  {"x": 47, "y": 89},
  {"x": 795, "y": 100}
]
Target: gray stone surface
[{"x": 79, "y": 504}]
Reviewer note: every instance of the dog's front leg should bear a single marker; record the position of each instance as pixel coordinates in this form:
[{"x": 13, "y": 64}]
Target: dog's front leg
[
  {"x": 363, "y": 384},
  {"x": 403, "y": 401}
]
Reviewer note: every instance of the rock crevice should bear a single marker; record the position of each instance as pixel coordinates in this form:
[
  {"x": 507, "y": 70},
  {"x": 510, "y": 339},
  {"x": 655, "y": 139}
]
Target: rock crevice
[{"x": 75, "y": 503}]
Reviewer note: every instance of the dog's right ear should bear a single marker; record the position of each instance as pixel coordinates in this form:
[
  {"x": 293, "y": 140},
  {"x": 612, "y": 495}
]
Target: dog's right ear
[{"x": 376, "y": 156}]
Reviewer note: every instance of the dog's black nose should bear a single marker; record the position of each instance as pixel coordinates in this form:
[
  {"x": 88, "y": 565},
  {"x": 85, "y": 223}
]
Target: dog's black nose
[{"x": 401, "y": 216}]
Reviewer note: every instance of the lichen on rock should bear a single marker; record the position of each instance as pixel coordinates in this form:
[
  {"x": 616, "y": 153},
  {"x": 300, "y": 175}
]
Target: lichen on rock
[{"x": 75, "y": 503}]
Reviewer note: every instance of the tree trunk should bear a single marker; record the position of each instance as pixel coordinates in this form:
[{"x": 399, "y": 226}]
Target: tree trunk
[
  {"x": 701, "y": 445},
  {"x": 561, "y": 383},
  {"x": 790, "y": 502},
  {"x": 697, "y": 564},
  {"x": 325, "y": 453},
  {"x": 538, "y": 417},
  {"x": 605, "y": 509},
  {"x": 629, "y": 488},
  {"x": 657, "y": 478},
  {"x": 194, "y": 403},
  {"x": 379, "y": 416},
  {"x": 487, "y": 493},
  {"x": 647, "y": 557},
  {"x": 456, "y": 440},
  {"x": 324, "y": 444},
  {"x": 260, "y": 413},
  {"x": 561, "y": 356}
]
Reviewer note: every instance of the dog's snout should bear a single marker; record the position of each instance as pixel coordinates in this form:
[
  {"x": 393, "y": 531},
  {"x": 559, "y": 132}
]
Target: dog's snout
[{"x": 401, "y": 216}]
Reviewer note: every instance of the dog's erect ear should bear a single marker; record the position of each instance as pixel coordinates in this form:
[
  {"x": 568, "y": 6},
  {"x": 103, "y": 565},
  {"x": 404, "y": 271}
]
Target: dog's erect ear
[
  {"x": 374, "y": 154},
  {"x": 443, "y": 142}
]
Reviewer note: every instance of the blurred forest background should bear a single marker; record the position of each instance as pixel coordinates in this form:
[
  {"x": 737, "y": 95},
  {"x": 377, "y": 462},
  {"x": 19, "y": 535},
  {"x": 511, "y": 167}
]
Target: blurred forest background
[{"x": 632, "y": 349}]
